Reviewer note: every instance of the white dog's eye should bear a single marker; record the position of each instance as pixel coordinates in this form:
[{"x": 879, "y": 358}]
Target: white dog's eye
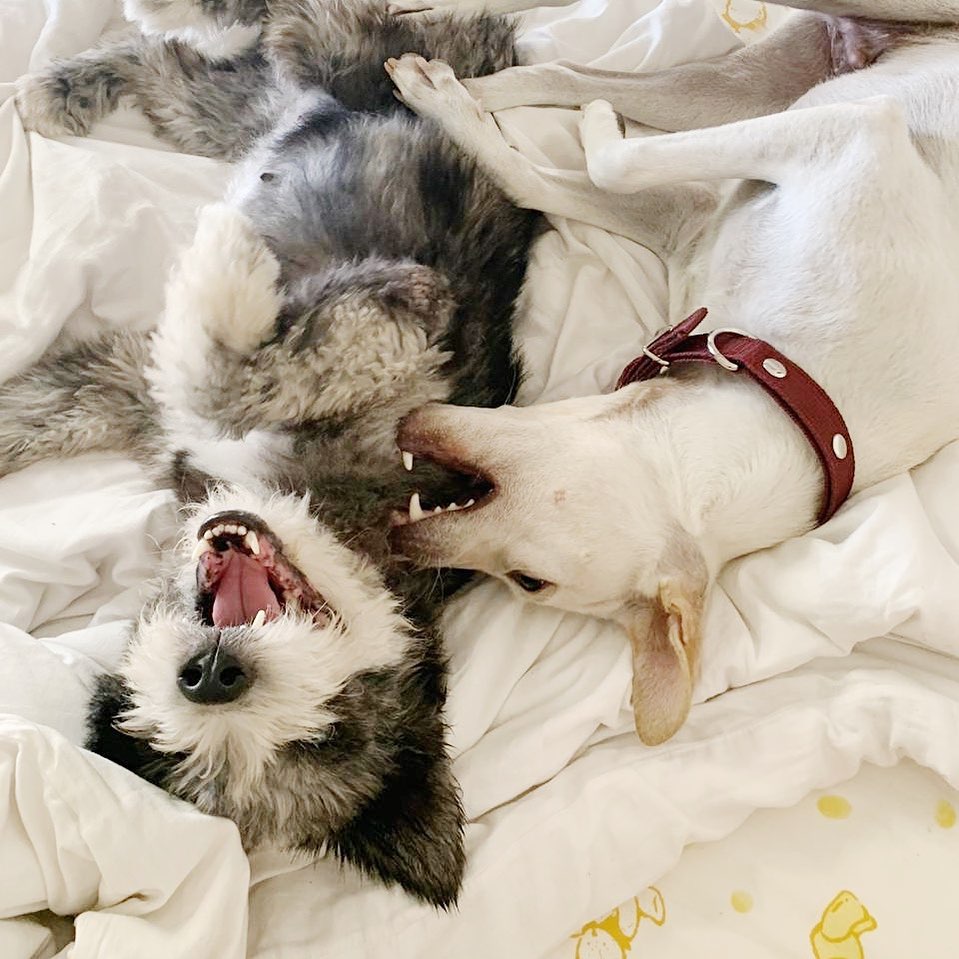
[{"x": 528, "y": 583}]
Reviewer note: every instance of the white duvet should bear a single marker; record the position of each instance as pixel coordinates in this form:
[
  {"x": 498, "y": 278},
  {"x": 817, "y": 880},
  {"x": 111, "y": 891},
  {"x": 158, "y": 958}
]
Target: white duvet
[{"x": 842, "y": 646}]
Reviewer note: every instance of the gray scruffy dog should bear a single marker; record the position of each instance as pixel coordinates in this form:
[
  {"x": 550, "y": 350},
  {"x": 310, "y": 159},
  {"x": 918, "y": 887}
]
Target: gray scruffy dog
[{"x": 286, "y": 673}]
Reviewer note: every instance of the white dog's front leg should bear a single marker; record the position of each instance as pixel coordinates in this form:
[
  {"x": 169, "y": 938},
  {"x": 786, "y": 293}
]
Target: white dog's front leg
[{"x": 771, "y": 148}]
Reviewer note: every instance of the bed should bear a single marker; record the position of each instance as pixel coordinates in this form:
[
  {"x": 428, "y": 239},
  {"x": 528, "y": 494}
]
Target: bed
[{"x": 777, "y": 823}]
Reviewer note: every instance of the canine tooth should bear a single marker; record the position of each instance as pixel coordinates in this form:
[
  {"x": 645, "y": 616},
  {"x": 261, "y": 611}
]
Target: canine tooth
[
  {"x": 208, "y": 535},
  {"x": 416, "y": 511},
  {"x": 259, "y": 619},
  {"x": 202, "y": 546},
  {"x": 241, "y": 531},
  {"x": 407, "y": 460},
  {"x": 252, "y": 543}
]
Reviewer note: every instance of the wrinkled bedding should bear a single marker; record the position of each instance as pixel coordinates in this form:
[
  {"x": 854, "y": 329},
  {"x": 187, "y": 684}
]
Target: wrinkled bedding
[{"x": 838, "y": 647}]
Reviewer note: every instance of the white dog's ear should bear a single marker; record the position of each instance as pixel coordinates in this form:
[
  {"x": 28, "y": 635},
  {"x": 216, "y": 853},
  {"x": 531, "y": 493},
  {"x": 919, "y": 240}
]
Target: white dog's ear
[{"x": 665, "y": 633}]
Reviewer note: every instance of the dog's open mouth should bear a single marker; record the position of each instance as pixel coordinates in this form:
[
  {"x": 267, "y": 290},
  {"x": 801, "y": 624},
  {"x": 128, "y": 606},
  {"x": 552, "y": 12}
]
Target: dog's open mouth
[
  {"x": 243, "y": 578},
  {"x": 464, "y": 487}
]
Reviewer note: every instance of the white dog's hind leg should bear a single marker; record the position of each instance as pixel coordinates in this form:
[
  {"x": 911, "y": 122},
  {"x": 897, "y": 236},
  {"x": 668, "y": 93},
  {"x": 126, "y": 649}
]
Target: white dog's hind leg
[
  {"x": 759, "y": 79},
  {"x": 770, "y": 148},
  {"x": 653, "y": 218},
  {"x": 914, "y": 11}
]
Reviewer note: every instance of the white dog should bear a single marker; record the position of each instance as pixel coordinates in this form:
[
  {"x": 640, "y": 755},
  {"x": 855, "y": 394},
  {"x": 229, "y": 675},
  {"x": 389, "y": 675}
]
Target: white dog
[{"x": 812, "y": 200}]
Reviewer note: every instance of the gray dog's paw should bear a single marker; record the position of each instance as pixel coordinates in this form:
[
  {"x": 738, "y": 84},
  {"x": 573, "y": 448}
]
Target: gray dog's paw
[
  {"x": 51, "y": 105},
  {"x": 46, "y": 106}
]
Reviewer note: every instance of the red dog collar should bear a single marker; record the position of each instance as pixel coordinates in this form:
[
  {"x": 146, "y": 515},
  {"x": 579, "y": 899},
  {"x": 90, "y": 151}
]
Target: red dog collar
[{"x": 799, "y": 395}]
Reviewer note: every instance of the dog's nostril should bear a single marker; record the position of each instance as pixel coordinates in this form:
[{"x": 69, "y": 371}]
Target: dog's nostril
[
  {"x": 231, "y": 675},
  {"x": 213, "y": 677}
]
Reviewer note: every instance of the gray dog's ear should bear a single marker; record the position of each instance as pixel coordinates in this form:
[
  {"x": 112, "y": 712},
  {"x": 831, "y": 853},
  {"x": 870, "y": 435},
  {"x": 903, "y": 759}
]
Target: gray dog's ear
[
  {"x": 411, "y": 835},
  {"x": 665, "y": 633}
]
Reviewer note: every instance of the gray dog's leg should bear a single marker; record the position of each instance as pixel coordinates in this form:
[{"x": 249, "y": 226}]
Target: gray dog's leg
[
  {"x": 69, "y": 96},
  {"x": 201, "y": 106},
  {"x": 234, "y": 351},
  {"x": 93, "y": 397}
]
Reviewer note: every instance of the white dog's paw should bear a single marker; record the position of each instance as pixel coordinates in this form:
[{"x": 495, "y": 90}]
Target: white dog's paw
[
  {"x": 602, "y": 136},
  {"x": 227, "y": 281},
  {"x": 599, "y": 125},
  {"x": 430, "y": 88},
  {"x": 50, "y": 106}
]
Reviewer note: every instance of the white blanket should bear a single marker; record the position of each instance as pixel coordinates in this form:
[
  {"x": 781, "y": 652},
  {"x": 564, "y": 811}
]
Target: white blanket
[{"x": 569, "y": 813}]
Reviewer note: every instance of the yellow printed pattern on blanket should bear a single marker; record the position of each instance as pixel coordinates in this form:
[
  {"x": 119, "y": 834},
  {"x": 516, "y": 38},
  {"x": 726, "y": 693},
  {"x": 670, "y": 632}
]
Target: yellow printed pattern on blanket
[
  {"x": 836, "y": 935},
  {"x": 743, "y": 15},
  {"x": 750, "y": 20},
  {"x": 612, "y": 936}
]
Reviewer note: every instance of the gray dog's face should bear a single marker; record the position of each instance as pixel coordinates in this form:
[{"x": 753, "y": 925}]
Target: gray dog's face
[{"x": 275, "y": 683}]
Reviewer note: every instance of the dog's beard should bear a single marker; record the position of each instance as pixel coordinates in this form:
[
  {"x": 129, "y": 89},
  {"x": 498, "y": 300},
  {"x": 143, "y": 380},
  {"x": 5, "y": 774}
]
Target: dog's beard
[{"x": 297, "y": 671}]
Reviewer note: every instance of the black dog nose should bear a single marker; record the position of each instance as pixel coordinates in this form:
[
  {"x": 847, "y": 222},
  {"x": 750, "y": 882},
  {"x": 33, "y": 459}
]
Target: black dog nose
[{"x": 213, "y": 676}]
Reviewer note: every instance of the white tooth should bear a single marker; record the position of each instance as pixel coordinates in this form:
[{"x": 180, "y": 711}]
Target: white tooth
[
  {"x": 230, "y": 528},
  {"x": 241, "y": 531},
  {"x": 259, "y": 619},
  {"x": 217, "y": 530},
  {"x": 470, "y": 503},
  {"x": 208, "y": 534},
  {"x": 437, "y": 509},
  {"x": 252, "y": 543},
  {"x": 452, "y": 507},
  {"x": 416, "y": 511},
  {"x": 202, "y": 546},
  {"x": 407, "y": 460}
]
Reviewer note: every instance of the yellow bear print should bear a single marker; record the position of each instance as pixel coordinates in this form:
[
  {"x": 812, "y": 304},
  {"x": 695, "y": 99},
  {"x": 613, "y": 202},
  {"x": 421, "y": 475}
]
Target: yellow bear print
[
  {"x": 612, "y": 936},
  {"x": 836, "y": 936}
]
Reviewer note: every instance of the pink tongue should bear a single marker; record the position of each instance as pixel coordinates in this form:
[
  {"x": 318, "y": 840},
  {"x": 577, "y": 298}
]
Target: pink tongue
[{"x": 242, "y": 591}]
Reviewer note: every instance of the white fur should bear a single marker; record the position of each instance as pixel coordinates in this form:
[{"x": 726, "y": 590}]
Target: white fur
[
  {"x": 848, "y": 268},
  {"x": 298, "y": 666},
  {"x": 223, "y": 295},
  {"x": 228, "y": 279},
  {"x": 183, "y": 20}
]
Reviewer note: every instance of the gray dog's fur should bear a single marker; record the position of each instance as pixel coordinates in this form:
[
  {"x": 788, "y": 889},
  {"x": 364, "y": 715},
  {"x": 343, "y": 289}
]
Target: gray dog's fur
[{"x": 363, "y": 268}]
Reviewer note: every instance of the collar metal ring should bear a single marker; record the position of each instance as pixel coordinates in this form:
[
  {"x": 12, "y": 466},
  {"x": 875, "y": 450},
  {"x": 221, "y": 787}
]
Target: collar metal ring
[{"x": 715, "y": 352}]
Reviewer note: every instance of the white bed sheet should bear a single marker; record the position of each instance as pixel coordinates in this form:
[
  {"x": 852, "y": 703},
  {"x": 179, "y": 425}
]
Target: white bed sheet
[{"x": 570, "y": 814}]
